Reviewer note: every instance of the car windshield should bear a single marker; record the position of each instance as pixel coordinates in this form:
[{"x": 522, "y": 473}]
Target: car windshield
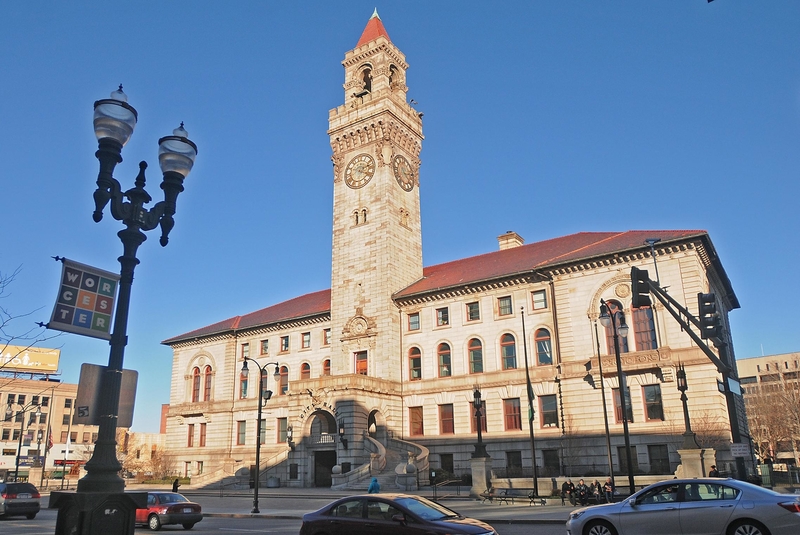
[
  {"x": 426, "y": 509},
  {"x": 171, "y": 497}
]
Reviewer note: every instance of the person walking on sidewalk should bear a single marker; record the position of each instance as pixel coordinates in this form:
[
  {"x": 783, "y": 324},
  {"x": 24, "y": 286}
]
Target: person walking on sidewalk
[
  {"x": 175, "y": 485},
  {"x": 374, "y": 486}
]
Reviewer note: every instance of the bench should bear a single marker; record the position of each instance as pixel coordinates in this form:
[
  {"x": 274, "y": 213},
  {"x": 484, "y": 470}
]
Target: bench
[
  {"x": 500, "y": 496},
  {"x": 508, "y": 495}
]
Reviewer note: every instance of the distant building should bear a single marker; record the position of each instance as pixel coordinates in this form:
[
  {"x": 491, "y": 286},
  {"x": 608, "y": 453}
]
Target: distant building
[
  {"x": 771, "y": 387},
  {"x": 72, "y": 444},
  {"x": 385, "y": 362}
]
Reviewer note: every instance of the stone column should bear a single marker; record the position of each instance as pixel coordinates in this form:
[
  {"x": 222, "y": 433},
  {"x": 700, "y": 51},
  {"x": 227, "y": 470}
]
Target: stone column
[
  {"x": 695, "y": 462},
  {"x": 481, "y": 475}
]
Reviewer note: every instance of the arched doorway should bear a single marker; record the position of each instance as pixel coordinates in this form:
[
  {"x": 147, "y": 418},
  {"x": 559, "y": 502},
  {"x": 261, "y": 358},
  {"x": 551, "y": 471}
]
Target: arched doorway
[{"x": 322, "y": 431}]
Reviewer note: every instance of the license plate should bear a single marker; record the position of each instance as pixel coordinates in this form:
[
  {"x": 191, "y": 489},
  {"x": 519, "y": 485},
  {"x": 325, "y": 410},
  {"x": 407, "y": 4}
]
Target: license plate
[
  {"x": 24, "y": 495},
  {"x": 187, "y": 509}
]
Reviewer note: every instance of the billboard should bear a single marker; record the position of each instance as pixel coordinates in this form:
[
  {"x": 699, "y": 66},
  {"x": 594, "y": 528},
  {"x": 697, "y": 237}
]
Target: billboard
[
  {"x": 85, "y": 301},
  {"x": 29, "y": 359}
]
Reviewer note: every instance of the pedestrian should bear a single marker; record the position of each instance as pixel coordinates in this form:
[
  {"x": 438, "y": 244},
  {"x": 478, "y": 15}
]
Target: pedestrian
[
  {"x": 713, "y": 472},
  {"x": 568, "y": 491},
  {"x": 583, "y": 492},
  {"x": 175, "y": 485},
  {"x": 374, "y": 486},
  {"x": 608, "y": 490}
]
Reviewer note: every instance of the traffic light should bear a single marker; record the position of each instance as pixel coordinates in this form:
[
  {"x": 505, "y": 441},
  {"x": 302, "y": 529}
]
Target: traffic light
[
  {"x": 640, "y": 288},
  {"x": 710, "y": 325}
]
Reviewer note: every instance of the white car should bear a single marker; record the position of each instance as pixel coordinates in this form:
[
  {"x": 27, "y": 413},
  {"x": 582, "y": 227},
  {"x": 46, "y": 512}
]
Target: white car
[{"x": 704, "y": 506}]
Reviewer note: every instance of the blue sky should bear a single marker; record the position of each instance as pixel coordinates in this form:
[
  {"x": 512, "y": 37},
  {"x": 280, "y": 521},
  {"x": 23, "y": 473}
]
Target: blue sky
[{"x": 545, "y": 118}]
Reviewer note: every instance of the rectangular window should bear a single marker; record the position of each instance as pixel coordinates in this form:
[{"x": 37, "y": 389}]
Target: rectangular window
[
  {"x": 361, "y": 362},
  {"x": 94, "y": 438},
  {"x": 446, "y": 463},
  {"x": 245, "y": 351},
  {"x": 539, "y": 299},
  {"x": 551, "y": 463},
  {"x": 284, "y": 344},
  {"x": 654, "y": 409},
  {"x": 504, "y": 307},
  {"x": 413, "y": 321},
  {"x": 514, "y": 463},
  {"x": 293, "y": 472},
  {"x": 282, "y": 424},
  {"x": 73, "y": 437},
  {"x": 45, "y": 401},
  {"x": 35, "y": 400},
  {"x": 326, "y": 337},
  {"x": 511, "y": 414},
  {"x": 63, "y": 437},
  {"x": 618, "y": 406},
  {"x": 21, "y": 397},
  {"x": 65, "y": 419},
  {"x": 86, "y": 438},
  {"x": 644, "y": 329},
  {"x": 190, "y": 440},
  {"x": 15, "y": 436},
  {"x": 12, "y": 397},
  {"x": 442, "y": 317},
  {"x": 305, "y": 340},
  {"x": 68, "y": 403},
  {"x": 265, "y": 347},
  {"x": 415, "y": 364},
  {"x": 262, "y": 431},
  {"x": 199, "y": 467},
  {"x": 202, "y": 435},
  {"x": 241, "y": 433},
  {"x": 43, "y": 418},
  {"x": 19, "y": 417},
  {"x": 473, "y": 311},
  {"x": 548, "y": 408},
  {"x": 472, "y": 418},
  {"x": 415, "y": 419},
  {"x": 446, "y": 420},
  {"x": 6, "y": 434},
  {"x": 659, "y": 458}
]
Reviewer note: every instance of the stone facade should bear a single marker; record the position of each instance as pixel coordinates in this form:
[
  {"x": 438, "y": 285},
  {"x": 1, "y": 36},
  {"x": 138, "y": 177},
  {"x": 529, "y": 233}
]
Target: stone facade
[{"x": 394, "y": 351}]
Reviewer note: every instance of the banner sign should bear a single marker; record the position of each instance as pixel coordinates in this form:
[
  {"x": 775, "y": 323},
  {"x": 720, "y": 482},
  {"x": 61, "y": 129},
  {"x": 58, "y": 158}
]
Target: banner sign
[
  {"x": 85, "y": 301},
  {"x": 29, "y": 359}
]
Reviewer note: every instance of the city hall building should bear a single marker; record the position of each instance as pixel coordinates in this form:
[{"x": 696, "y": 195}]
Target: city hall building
[{"x": 379, "y": 373}]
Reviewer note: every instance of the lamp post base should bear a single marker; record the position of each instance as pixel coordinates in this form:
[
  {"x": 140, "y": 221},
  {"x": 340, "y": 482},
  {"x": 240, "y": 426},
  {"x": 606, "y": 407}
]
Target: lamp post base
[
  {"x": 96, "y": 513},
  {"x": 481, "y": 475}
]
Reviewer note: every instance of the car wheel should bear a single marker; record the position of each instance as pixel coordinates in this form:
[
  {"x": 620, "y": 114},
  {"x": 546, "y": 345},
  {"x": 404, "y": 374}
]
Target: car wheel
[
  {"x": 747, "y": 527},
  {"x": 188, "y": 525},
  {"x": 30, "y": 516},
  {"x": 154, "y": 523},
  {"x": 598, "y": 527}
]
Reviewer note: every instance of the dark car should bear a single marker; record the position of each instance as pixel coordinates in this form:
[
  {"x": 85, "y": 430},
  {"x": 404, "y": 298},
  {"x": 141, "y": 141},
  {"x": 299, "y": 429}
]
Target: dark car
[
  {"x": 18, "y": 499},
  {"x": 389, "y": 514},
  {"x": 169, "y": 508}
]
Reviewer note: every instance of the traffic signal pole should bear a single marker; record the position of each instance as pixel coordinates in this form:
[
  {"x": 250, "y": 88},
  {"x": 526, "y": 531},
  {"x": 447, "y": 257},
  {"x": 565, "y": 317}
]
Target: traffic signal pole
[{"x": 640, "y": 285}]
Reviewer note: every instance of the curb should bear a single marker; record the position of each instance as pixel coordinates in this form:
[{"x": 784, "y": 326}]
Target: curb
[{"x": 491, "y": 521}]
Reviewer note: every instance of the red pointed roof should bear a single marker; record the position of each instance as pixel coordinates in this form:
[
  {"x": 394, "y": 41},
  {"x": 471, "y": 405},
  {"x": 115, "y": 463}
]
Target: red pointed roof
[{"x": 373, "y": 30}]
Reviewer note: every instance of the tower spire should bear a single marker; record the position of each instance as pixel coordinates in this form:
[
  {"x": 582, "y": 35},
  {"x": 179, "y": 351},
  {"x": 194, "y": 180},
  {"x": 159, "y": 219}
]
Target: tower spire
[{"x": 373, "y": 30}]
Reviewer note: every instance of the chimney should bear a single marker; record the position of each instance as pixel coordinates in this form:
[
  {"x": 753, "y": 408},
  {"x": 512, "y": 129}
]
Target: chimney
[{"x": 510, "y": 240}]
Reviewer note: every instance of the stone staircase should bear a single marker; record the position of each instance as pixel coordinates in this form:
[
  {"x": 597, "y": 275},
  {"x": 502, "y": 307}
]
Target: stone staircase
[{"x": 386, "y": 477}]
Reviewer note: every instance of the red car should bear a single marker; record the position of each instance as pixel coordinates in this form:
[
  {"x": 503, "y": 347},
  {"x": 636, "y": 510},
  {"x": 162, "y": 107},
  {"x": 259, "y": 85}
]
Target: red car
[{"x": 168, "y": 508}]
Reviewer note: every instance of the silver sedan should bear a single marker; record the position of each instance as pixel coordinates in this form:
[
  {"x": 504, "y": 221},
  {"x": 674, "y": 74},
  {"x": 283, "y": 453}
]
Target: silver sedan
[{"x": 707, "y": 506}]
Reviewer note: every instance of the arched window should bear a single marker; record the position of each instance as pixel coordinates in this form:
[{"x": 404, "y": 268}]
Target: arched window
[
  {"x": 242, "y": 386},
  {"x": 414, "y": 364},
  {"x": 392, "y": 74},
  {"x": 508, "y": 351},
  {"x": 305, "y": 371},
  {"x": 644, "y": 328},
  {"x": 445, "y": 366},
  {"x": 475, "y": 351},
  {"x": 366, "y": 77},
  {"x": 207, "y": 384},
  {"x": 196, "y": 384},
  {"x": 326, "y": 367},
  {"x": 364, "y": 215},
  {"x": 613, "y": 308},
  {"x": 356, "y": 215},
  {"x": 284, "y": 386},
  {"x": 544, "y": 351}
]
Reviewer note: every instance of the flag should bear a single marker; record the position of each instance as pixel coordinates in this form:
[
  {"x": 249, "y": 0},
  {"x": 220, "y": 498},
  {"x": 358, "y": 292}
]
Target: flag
[
  {"x": 49, "y": 440},
  {"x": 66, "y": 451}
]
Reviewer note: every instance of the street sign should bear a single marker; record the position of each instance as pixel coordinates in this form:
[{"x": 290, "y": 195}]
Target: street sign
[
  {"x": 87, "y": 403},
  {"x": 740, "y": 449}
]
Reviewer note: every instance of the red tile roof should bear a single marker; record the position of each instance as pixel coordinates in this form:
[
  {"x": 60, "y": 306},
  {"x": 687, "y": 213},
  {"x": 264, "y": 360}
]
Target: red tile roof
[
  {"x": 299, "y": 307},
  {"x": 517, "y": 260},
  {"x": 373, "y": 30},
  {"x": 539, "y": 255}
]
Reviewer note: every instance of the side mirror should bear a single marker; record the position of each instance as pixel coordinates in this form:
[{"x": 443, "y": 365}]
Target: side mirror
[{"x": 399, "y": 518}]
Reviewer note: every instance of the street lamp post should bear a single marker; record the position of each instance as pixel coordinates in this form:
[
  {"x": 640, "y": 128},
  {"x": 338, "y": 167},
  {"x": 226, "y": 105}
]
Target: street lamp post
[
  {"x": 689, "y": 438},
  {"x": 605, "y": 408},
  {"x": 23, "y": 410},
  {"x": 114, "y": 121},
  {"x": 480, "y": 447},
  {"x": 264, "y": 395},
  {"x": 530, "y": 404},
  {"x": 616, "y": 318}
]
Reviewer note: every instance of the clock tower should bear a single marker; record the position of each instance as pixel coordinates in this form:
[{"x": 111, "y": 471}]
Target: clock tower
[{"x": 376, "y": 137}]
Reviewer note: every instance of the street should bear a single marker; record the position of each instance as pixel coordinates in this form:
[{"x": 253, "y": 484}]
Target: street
[{"x": 45, "y": 523}]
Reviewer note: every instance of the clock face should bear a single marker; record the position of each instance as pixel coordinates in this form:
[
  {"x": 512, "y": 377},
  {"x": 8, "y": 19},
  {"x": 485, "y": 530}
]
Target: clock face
[
  {"x": 359, "y": 171},
  {"x": 404, "y": 172}
]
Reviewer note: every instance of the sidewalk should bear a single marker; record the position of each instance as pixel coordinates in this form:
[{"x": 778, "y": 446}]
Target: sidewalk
[{"x": 291, "y": 503}]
